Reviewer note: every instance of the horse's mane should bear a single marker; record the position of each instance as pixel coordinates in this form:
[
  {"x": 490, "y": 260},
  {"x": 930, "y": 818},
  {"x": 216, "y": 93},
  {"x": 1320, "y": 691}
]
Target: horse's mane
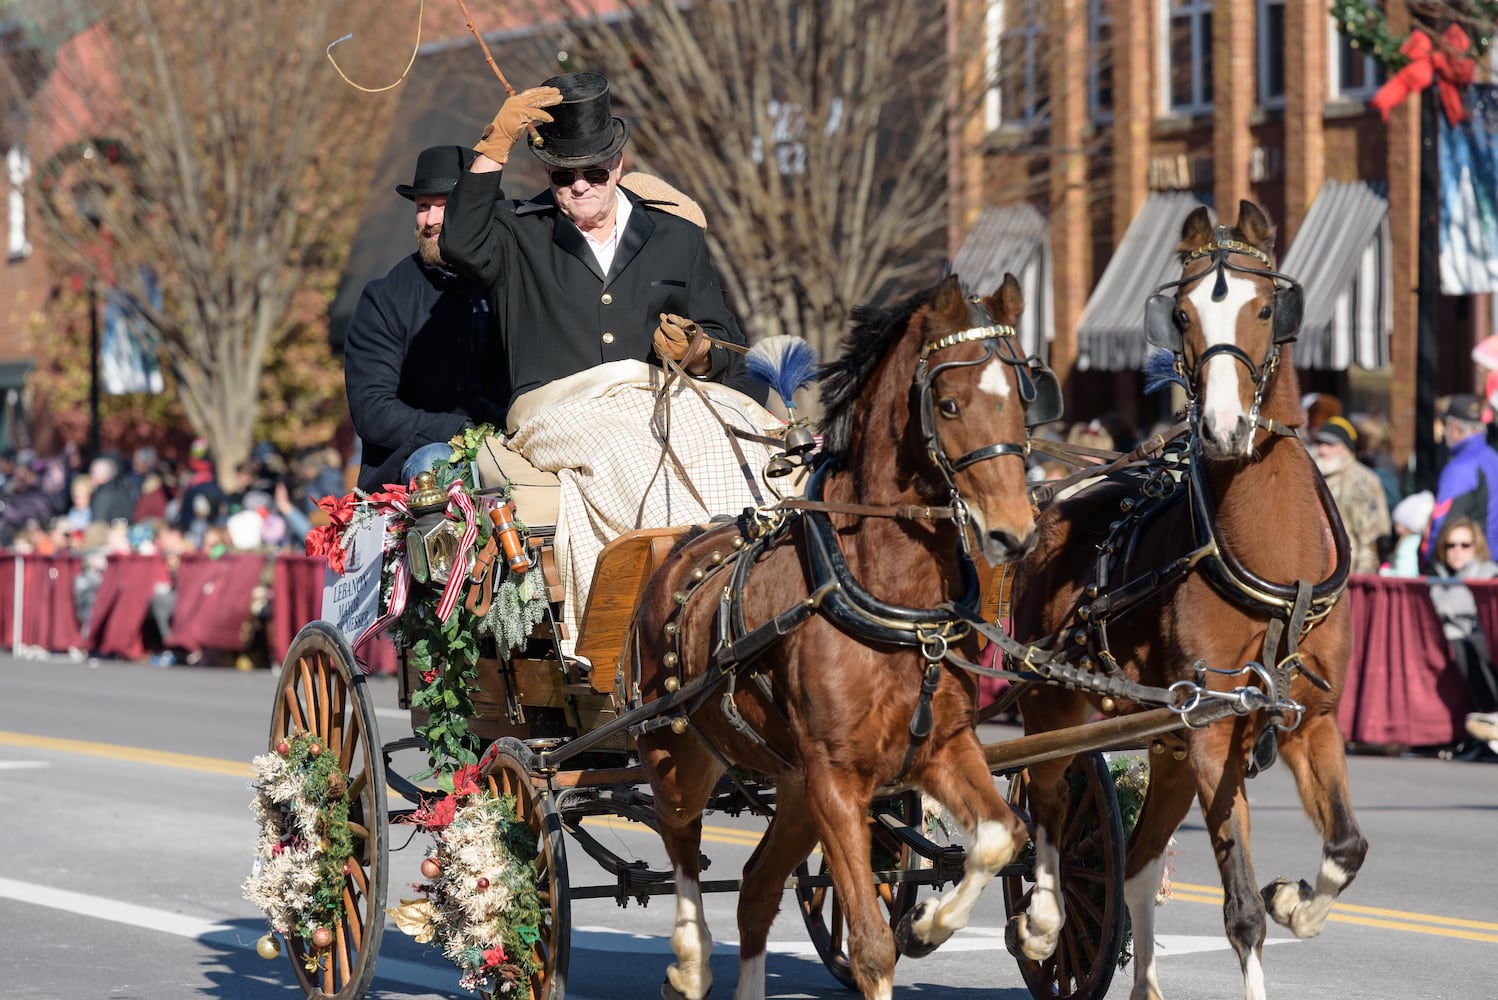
[{"x": 875, "y": 329}]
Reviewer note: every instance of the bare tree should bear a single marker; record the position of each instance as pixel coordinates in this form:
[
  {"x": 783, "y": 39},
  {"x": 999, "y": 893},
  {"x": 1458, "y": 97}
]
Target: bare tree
[
  {"x": 814, "y": 134},
  {"x": 203, "y": 159}
]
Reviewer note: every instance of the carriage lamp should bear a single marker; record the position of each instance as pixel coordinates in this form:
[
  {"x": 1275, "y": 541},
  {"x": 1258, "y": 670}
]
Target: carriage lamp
[
  {"x": 434, "y": 549},
  {"x": 434, "y": 544}
]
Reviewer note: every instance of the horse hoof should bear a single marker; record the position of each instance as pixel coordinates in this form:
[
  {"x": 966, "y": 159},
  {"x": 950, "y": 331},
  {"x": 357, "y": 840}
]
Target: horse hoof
[
  {"x": 907, "y": 942},
  {"x": 1282, "y": 896},
  {"x": 669, "y": 992}
]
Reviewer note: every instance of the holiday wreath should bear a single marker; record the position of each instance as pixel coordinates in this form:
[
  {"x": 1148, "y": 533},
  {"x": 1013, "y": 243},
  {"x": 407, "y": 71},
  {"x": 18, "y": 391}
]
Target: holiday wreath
[{"x": 481, "y": 902}]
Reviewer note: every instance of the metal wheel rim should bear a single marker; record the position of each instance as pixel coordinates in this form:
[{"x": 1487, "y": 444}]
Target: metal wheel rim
[
  {"x": 823, "y": 915},
  {"x": 507, "y": 774},
  {"x": 321, "y": 691},
  {"x": 1086, "y": 957}
]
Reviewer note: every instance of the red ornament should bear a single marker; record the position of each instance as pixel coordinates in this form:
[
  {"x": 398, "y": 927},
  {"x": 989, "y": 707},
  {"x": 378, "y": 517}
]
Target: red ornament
[
  {"x": 283, "y": 748},
  {"x": 431, "y": 868},
  {"x": 483, "y": 884},
  {"x": 321, "y": 938}
]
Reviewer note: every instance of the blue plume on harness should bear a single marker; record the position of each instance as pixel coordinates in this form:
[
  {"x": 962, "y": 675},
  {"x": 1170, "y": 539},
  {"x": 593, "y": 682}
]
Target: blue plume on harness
[
  {"x": 1160, "y": 372},
  {"x": 784, "y": 363}
]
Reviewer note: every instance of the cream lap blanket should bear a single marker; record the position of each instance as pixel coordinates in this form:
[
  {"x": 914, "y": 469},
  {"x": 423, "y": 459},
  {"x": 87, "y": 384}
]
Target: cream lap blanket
[{"x": 601, "y": 432}]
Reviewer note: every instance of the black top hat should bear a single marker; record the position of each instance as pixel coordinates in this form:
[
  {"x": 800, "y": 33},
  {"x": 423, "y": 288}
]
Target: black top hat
[
  {"x": 437, "y": 170},
  {"x": 582, "y": 131}
]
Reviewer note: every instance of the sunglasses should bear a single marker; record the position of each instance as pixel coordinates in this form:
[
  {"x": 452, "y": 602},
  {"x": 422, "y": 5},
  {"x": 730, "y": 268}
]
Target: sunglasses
[
  {"x": 595, "y": 176},
  {"x": 1458, "y": 545}
]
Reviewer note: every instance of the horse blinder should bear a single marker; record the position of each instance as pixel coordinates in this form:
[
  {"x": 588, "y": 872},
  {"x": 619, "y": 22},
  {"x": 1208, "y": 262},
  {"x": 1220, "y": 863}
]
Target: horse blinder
[
  {"x": 1044, "y": 403},
  {"x": 1160, "y": 323},
  {"x": 1289, "y": 306}
]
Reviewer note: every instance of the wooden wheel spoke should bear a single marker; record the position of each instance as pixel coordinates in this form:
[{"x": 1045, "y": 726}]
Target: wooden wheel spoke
[
  {"x": 357, "y": 783},
  {"x": 1081, "y": 901},
  {"x": 1084, "y": 874},
  {"x": 352, "y": 919},
  {"x": 357, "y": 877},
  {"x": 359, "y": 830},
  {"x": 294, "y": 712}
]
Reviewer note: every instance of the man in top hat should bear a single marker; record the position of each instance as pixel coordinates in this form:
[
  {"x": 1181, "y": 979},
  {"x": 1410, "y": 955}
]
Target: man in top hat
[
  {"x": 1469, "y": 480},
  {"x": 1355, "y": 489},
  {"x": 421, "y": 362},
  {"x": 594, "y": 290}
]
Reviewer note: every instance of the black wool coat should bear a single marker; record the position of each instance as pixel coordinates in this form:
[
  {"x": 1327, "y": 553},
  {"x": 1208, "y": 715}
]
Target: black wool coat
[
  {"x": 420, "y": 364},
  {"x": 556, "y": 311}
]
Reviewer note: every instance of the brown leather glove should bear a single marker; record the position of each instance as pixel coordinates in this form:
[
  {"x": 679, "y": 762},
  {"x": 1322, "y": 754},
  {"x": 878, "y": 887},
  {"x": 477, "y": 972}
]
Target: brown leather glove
[
  {"x": 515, "y": 114},
  {"x": 676, "y": 339}
]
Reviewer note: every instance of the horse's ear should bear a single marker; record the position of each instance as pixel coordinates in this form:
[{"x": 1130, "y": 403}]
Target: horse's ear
[
  {"x": 1196, "y": 231},
  {"x": 949, "y": 297},
  {"x": 1254, "y": 225},
  {"x": 1008, "y": 301}
]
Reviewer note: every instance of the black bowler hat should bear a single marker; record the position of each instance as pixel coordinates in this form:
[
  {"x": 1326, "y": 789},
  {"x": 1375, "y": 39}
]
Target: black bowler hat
[
  {"x": 583, "y": 130},
  {"x": 437, "y": 170}
]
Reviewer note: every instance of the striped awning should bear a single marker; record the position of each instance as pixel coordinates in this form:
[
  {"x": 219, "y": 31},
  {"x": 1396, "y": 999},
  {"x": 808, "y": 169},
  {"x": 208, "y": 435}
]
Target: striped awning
[
  {"x": 1013, "y": 239},
  {"x": 1342, "y": 257},
  {"x": 1110, "y": 334}
]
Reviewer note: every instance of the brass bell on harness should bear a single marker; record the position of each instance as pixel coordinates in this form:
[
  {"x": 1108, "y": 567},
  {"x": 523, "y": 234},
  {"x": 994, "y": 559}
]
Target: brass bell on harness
[
  {"x": 799, "y": 440},
  {"x": 779, "y": 467}
]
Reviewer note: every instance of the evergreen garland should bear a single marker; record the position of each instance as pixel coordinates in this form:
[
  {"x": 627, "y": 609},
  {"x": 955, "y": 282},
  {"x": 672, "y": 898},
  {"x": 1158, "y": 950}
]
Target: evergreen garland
[{"x": 1366, "y": 26}]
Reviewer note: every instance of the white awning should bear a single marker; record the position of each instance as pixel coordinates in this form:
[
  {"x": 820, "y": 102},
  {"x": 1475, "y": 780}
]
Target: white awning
[
  {"x": 1013, "y": 239},
  {"x": 1342, "y": 257},
  {"x": 1110, "y": 334}
]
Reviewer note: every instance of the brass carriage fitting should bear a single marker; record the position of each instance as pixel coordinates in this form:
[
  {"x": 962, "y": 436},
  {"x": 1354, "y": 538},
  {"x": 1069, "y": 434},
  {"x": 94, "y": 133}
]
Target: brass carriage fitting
[
  {"x": 1079, "y": 636},
  {"x": 1085, "y": 612},
  {"x": 738, "y": 542},
  {"x": 672, "y": 684},
  {"x": 1108, "y": 705},
  {"x": 427, "y": 496},
  {"x": 1086, "y": 663},
  {"x": 1091, "y": 592},
  {"x": 680, "y": 597},
  {"x": 1126, "y": 504},
  {"x": 670, "y": 659},
  {"x": 670, "y": 629},
  {"x": 715, "y": 557},
  {"x": 679, "y": 724},
  {"x": 699, "y": 574},
  {"x": 1179, "y": 753},
  {"x": 1157, "y": 747}
]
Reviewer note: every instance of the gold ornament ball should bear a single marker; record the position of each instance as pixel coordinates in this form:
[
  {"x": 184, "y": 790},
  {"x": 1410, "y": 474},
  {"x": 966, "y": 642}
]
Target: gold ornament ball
[
  {"x": 268, "y": 946},
  {"x": 314, "y": 749},
  {"x": 431, "y": 868},
  {"x": 321, "y": 937}
]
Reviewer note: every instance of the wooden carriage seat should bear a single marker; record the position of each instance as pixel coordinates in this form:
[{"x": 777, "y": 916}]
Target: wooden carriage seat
[{"x": 623, "y": 567}]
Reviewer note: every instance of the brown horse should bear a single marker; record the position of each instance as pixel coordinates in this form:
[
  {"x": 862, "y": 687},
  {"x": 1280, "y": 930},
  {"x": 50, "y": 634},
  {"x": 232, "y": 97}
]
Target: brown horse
[
  {"x": 1233, "y": 556},
  {"x": 804, "y": 643}
]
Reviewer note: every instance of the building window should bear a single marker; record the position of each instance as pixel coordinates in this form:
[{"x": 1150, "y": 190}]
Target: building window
[
  {"x": 18, "y": 168},
  {"x": 1100, "y": 58},
  {"x": 1271, "y": 36},
  {"x": 1354, "y": 76},
  {"x": 1016, "y": 63},
  {"x": 1186, "y": 34}
]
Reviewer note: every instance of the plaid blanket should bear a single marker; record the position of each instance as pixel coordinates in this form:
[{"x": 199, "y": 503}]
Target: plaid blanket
[{"x": 625, "y": 462}]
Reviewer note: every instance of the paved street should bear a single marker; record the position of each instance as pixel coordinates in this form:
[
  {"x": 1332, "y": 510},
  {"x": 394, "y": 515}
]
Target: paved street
[{"x": 126, "y": 833}]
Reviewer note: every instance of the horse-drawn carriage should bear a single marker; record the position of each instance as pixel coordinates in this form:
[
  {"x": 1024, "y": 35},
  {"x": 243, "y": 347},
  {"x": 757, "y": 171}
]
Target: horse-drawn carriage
[{"x": 814, "y": 661}]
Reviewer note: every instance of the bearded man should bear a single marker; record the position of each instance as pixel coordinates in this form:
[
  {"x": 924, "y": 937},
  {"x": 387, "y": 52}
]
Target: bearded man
[
  {"x": 421, "y": 361},
  {"x": 1356, "y": 489}
]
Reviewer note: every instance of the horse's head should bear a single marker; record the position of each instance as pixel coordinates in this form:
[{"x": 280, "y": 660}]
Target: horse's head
[
  {"x": 978, "y": 394},
  {"x": 1227, "y": 320}
]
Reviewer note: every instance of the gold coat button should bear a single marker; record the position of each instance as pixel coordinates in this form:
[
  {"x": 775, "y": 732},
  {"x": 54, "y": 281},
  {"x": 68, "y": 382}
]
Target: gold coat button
[
  {"x": 608, "y": 338},
  {"x": 607, "y": 298}
]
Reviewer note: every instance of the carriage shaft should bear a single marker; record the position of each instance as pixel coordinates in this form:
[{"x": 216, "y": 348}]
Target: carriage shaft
[{"x": 1119, "y": 733}]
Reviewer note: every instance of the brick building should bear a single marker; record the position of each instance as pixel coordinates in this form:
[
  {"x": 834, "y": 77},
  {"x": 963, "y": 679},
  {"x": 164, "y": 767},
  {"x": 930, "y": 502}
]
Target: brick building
[{"x": 1108, "y": 120}]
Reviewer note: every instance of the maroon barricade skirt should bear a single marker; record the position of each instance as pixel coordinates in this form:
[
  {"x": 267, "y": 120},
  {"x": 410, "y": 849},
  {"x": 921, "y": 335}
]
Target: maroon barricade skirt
[{"x": 123, "y": 602}]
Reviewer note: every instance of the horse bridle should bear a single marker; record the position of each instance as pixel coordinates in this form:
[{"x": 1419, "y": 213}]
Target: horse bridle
[
  {"x": 1039, "y": 389},
  {"x": 1162, "y": 331}
]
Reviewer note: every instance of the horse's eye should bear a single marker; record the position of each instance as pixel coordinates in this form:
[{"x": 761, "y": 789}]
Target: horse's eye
[
  {"x": 948, "y": 406},
  {"x": 1267, "y": 311},
  {"x": 1181, "y": 319}
]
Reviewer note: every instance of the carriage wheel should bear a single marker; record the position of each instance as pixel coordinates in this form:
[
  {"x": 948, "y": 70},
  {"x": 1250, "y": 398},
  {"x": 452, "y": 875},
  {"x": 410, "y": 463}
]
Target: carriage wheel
[
  {"x": 506, "y": 769},
  {"x": 1091, "y": 846},
  {"x": 322, "y": 692},
  {"x": 826, "y": 923}
]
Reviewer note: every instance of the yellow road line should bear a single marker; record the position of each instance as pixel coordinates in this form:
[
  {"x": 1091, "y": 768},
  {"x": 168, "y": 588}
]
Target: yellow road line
[
  {"x": 135, "y": 755},
  {"x": 1352, "y": 913}
]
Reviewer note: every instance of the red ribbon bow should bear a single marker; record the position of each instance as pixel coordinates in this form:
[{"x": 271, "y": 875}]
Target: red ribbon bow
[{"x": 1445, "y": 66}]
